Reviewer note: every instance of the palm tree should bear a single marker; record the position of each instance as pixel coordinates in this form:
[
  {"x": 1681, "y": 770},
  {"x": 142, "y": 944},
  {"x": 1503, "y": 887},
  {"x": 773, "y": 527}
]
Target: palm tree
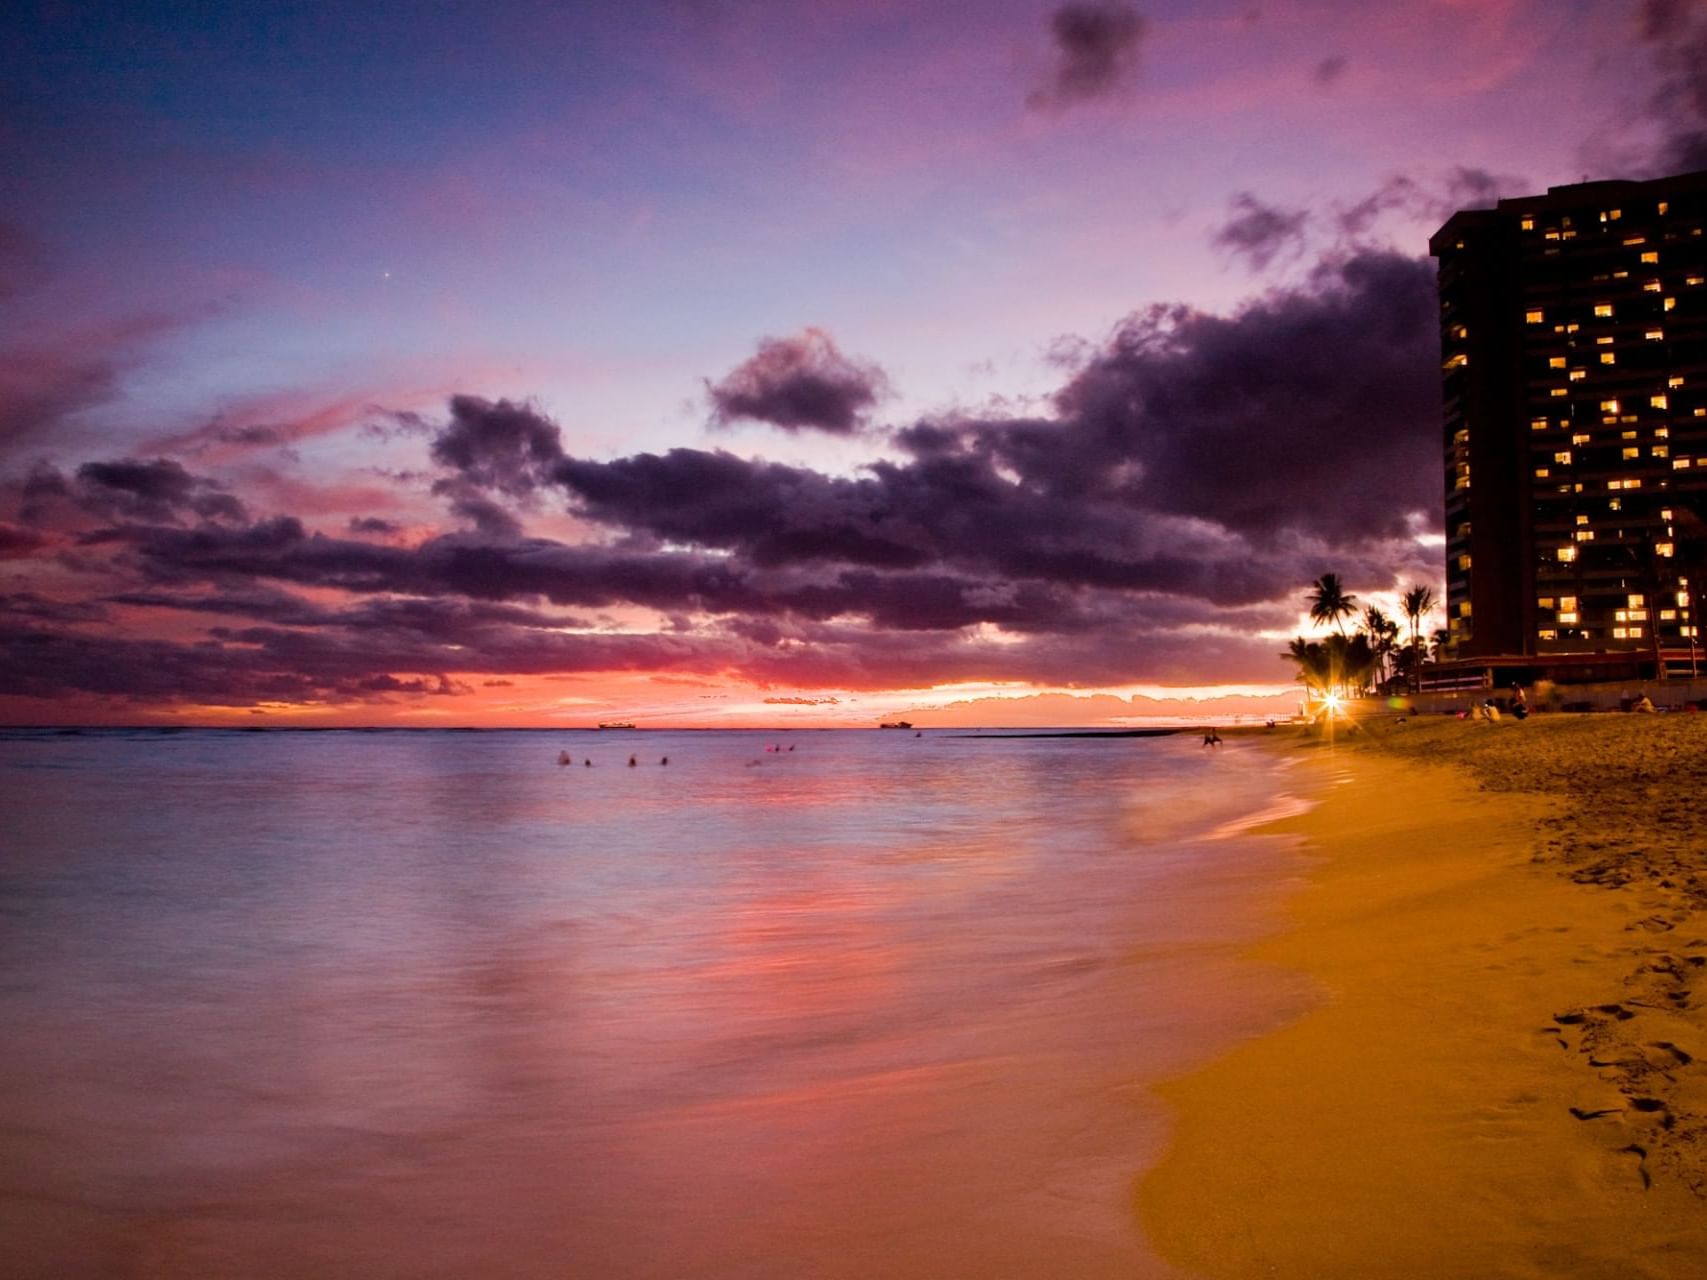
[
  {"x": 1442, "y": 638},
  {"x": 1336, "y": 663},
  {"x": 1383, "y": 638},
  {"x": 1417, "y": 601},
  {"x": 1352, "y": 660},
  {"x": 1312, "y": 660},
  {"x": 1330, "y": 602}
]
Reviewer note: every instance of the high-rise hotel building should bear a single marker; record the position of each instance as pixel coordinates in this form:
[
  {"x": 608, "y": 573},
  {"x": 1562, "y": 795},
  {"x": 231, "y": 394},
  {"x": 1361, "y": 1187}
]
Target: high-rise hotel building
[{"x": 1574, "y": 358}]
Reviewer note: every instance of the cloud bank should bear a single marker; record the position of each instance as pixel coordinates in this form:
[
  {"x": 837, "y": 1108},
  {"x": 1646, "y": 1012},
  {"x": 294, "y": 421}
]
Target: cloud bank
[{"x": 1188, "y": 475}]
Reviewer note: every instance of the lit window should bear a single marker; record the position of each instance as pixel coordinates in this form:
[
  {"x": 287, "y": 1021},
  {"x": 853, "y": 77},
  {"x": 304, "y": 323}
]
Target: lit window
[
  {"x": 1457, "y": 361},
  {"x": 1567, "y": 553},
  {"x": 1563, "y": 456},
  {"x": 1651, "y": 286},
  {"x": 1582, "y": 519},
  {"x": 1631, "y": 451},
  {"x": 1675, "y": 382},
  {"x": 1669, "y": 304},
  {"x": 1663, "y": 207},
  {"x": 1660, "y": 451},
  {"x": 1603, "y": 308},
  {"x": 1532, "y": 317},
  {"x": 1528, "y": 224},
  {"x": 1662, "y": 433},
  {"x": 1541, "y": 473},
  {"x": 1615, "y": 504},
  {"x": 1547, "y": 634},
  {"x": 1544, "y": 602},
  {"x": 1680, "y": 464},
  {"x": 1580, "y": 438},
  {"x": 1567, "y": 602},
  {"x": 1556, "y": 362},
  {"x": 1609, "y": 406},
  {"x": 1636, "y": 599},
  {"x": 1663, "y": 549},
  {"x": 1560, "y": 391},
  {"x": 1650, "y": 255},
  {"x": 1668, "y": 615},
  {"x": 1655, "y": 335},
  {"x": 1609, "y": 357},
  {"x": 1585, "y": 535},
  {"x": 1658, "y": 402},
  {"x": 1572, "y": 328},
  {"x": 1693, "y": 280},
  {"x": 1577, "y": 375},
  {"x": 1567, "y": 618},
  {"x": 1538, "y": 424}
]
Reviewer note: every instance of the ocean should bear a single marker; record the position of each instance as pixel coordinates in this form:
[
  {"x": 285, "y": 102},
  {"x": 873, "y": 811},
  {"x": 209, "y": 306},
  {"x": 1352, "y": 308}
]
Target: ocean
[{"x": 794, "y": 1004}]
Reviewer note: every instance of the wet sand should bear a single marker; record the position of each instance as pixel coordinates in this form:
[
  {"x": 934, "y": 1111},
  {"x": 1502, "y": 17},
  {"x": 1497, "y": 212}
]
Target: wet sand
[{"x": 1507, "y": 1072}]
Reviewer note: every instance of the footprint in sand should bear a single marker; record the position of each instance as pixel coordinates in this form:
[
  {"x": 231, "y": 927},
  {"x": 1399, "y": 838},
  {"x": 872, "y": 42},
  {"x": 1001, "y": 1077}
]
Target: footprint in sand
[{"x": 1641, "y": 1154}]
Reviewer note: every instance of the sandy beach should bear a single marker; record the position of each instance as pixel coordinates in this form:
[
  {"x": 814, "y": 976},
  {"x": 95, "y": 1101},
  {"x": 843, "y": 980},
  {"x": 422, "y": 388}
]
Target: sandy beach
[{"x": 1507, "y": 1071}]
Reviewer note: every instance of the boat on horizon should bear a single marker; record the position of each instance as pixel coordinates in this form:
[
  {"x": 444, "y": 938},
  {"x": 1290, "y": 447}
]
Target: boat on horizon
[
  {"x": 616, "y": 724},
  {"x": 896, "y": 724}
]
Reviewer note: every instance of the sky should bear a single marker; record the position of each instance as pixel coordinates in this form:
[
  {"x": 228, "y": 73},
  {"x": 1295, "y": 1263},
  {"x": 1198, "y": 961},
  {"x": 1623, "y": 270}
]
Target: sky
[{"x": 750, "y": 363}]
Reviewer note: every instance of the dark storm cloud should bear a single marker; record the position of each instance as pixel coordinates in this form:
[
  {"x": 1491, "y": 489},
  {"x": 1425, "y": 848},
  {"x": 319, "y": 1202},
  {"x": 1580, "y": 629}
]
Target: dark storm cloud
[
  {"x": 1096, "y": 49},
  {"x": 1330, "y": 69},
  {"x": 157, "y": 491},
  {"x": 498, "y": 445},
  {"x": 27, "y": 604},
  {"x": 1259, "y": 233},
  {"x": 1472, "y": 188},
  {"x": 803, "y": 383},
  {"x": 16, "y": 542},
  {"x": 1313, "y": 410},
  {"x": 1676, "y": 31},
  {"x": 372, "y": 524}
]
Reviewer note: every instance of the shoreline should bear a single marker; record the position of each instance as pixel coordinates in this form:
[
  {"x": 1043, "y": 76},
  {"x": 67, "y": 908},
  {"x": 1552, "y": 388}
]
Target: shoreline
[{"x": 1504, "y": 923}]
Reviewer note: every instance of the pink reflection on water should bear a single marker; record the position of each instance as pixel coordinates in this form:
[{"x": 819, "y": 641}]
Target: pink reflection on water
[{"x": 872, "y": 1014}]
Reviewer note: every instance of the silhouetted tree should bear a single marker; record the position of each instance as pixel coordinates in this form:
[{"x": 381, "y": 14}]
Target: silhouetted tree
[
  {"x": 1330, "y": 602},
  {"x": 1383, "y": 638},
  {"x": 1417, "y": 601}
]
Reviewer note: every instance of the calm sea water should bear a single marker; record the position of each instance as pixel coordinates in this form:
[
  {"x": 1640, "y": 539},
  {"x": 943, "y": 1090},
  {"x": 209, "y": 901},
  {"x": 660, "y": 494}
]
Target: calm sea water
[{"x": 423, "y": 1003}]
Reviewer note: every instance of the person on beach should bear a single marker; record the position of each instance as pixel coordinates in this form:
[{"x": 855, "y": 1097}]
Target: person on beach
[
  {"x": 1211, "y": 738},
  {"x": 1519, "y": 705},
  {"x": 1643, "y": 704}
]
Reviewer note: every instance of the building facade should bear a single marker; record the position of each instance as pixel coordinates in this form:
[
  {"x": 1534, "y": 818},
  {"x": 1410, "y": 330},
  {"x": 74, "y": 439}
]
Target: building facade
[{"x": 1574, "y": 367}]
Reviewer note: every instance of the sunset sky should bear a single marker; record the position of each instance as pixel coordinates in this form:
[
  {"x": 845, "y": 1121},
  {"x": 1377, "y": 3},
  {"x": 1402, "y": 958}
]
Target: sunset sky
[{"x": 707, "y": 363}]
